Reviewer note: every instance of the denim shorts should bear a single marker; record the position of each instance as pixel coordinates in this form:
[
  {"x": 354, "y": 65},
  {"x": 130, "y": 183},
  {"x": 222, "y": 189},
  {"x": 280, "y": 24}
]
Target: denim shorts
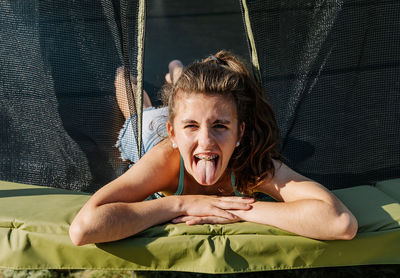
[{"x": 154, "y": 131}]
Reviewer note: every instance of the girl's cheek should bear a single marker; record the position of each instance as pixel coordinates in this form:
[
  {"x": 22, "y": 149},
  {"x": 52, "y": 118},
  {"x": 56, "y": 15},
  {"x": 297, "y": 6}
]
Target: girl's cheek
[
  {"x": 225, "y": 137},
  {"x": 188, "y": 136},
  {"x": 186, "y": 141},
  {"x": 192, "y": 134}
]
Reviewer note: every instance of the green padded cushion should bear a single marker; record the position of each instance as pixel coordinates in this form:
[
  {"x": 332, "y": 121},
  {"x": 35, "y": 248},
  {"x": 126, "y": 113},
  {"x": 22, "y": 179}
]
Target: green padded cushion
[
  {"x": 390, "y": 187},
  {"x": 34, "y": 224}
]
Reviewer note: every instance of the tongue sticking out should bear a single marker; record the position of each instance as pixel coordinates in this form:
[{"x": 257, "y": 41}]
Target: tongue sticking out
[{"x": 206, "y": 170}]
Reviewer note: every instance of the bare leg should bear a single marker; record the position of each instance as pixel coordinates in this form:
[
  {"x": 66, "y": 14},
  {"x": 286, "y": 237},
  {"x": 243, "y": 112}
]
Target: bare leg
[
  {"x": 175, "y": 68},
  {"x": 120, "y": 93}
]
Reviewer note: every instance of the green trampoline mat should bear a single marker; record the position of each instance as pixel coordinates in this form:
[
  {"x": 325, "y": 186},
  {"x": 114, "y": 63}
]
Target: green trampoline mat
[{"x": 34, "y": 222}]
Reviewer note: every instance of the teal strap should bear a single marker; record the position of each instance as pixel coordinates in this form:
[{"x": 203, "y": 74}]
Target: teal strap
[
  {"x": 181, "y": 178},
  {"x": 260, "y": 196}
]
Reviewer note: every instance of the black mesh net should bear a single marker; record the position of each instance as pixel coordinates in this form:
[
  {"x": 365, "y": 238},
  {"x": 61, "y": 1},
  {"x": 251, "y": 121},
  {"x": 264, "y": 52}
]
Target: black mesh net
[
  {"x": 331, "y": 68},
  {"x": 332, "y": 71},
  {"x": 58, "y": 113}
]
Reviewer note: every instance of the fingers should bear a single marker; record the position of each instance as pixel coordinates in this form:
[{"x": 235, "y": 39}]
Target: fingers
[
  {"x": 182, "y": 219},
  {"x": 196, "y": 220},
  {"x": 200, "y": 205},
  {"x": 222, "y": 213},
  {"x": 246, "y": 200},
  {"x": 208, "y": 220},
  {"x": 234, "y": 203}
]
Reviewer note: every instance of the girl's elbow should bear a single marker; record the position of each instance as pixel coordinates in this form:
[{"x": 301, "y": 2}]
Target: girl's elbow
[
  {"x": 346, "y": 226},
  {"x": 76, "y": 234},
  {"x": 79, "y": 232}
]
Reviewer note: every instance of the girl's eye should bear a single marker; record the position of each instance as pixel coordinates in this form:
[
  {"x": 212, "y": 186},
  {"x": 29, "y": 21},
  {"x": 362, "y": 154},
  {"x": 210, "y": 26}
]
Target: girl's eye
[
  {"x": 190, "y": 126},
  {"x": 219, "y": 126}
]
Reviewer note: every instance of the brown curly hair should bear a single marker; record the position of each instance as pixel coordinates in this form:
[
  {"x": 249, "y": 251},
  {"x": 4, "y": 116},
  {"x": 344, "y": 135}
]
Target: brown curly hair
[{"x": 225, "y": 75}]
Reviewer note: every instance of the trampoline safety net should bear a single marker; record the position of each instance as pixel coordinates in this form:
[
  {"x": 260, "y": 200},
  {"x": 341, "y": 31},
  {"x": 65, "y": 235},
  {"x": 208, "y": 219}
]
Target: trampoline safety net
[
  {"x": 330, "y": 68},
  {"x": 59, "y": 116},
  {"x": 332, "y": 71}
]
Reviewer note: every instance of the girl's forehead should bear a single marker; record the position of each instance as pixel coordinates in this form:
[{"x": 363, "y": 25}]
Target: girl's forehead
[{"x": 197, "y": 104}]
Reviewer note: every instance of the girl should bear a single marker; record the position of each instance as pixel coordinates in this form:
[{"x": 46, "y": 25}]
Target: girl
[{"x": 221, "y": 146}]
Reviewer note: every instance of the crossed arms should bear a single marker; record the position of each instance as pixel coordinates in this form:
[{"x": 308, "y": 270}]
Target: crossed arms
[{"x": 118, "y": 211}]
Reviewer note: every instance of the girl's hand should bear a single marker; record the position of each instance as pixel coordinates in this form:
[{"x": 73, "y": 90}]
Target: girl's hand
[
  {"x": 196, "y": 220},
  {"x": 214, "y": 206}
]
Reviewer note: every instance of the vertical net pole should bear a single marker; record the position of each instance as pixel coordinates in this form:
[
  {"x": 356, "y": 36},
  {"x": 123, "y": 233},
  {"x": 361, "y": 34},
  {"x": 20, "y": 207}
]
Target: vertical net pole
[
  {"x": 251, "y": 42},
  {"x": 141, "y": 23}
]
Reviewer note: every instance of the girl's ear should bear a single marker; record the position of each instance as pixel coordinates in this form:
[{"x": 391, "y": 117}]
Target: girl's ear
[
  {"x": 171, "y": 136},
  {"x": 170, "y": 130},
  {"x": 241, "y": 130}
]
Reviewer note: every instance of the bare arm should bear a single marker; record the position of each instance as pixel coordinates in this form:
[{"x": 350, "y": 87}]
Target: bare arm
[
  {"x": 305, "y": 208},
  {"x": 117, "y": 211}
]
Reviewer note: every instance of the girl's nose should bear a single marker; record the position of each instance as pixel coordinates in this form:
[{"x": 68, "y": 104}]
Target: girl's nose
[{"x": 205, "y": 138}]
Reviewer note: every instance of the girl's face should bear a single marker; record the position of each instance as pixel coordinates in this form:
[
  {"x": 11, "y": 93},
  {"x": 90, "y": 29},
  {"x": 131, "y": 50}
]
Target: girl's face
[{"x": 206, "y": 131}]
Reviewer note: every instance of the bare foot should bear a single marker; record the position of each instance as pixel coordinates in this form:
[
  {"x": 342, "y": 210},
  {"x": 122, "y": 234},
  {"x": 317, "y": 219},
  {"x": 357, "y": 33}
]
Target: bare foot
[
  {"x": 120, "y": 92},
  {"x": 175, "y": 68}
]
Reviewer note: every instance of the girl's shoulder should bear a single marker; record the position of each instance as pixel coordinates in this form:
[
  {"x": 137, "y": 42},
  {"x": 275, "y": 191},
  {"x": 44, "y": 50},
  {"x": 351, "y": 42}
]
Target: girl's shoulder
[
  {"x": 161, "y": 167},
  {"x": 156, "y": 171}
]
